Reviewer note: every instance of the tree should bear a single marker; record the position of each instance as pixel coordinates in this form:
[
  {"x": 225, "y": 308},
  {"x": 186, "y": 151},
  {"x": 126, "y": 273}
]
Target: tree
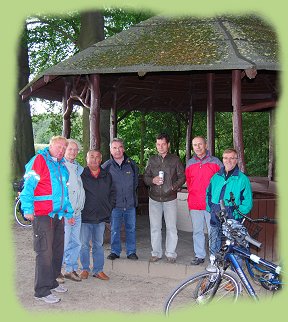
[
  {"x": 49, "y": 40},
  {"x": 23, "y": 147}
]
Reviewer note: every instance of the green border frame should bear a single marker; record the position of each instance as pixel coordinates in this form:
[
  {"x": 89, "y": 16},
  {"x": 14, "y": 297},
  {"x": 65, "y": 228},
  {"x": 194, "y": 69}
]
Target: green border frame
[{"x": 11, "y": 22}]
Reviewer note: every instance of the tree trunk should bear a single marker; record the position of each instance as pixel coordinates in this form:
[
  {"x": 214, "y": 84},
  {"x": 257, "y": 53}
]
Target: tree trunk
[
  {"x": 92, "y": 31},
  {"x": 23, "y": 145}
]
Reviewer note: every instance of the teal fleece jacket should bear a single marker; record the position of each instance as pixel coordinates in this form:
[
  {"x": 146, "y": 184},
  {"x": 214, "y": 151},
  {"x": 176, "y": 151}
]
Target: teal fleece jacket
[{"x": 220, "y": 187}]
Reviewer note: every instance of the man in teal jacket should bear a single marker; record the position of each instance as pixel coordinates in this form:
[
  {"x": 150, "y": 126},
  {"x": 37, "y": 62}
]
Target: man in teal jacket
[
  {"x": 45, "y": 202},
  {"x": 228, "y": 179}
]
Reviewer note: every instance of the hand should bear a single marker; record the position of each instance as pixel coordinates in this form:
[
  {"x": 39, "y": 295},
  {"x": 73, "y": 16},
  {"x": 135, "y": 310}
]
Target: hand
[
  {"x": 29, "y": 217},
  {"x": 71, "y": 221},
  {"x": 157, "y": 180}
]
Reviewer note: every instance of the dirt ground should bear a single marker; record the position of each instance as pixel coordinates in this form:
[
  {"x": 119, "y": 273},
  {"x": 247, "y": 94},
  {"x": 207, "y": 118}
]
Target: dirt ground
[{"x": 131, "y": 294}]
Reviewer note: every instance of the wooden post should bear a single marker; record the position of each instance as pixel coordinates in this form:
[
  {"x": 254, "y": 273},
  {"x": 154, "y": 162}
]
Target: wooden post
[
  {"x": 210, "y": 114},
  {"x": 237, "y": 118},
  {"x": 113, "y": 117},
  {"x": 67, "y": 108},
  {"x": 94, "y": 118},
  {"x": 189, "y": 132},
  {"x": 271, "y": 165}
]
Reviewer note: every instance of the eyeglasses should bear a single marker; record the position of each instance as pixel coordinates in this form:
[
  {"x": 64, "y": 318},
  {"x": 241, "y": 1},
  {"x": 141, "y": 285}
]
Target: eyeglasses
[{"x": 226, "y": 158}]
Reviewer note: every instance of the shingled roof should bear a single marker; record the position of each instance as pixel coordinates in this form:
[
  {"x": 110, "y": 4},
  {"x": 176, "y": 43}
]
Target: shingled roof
[{"x": 175, "y": 47}]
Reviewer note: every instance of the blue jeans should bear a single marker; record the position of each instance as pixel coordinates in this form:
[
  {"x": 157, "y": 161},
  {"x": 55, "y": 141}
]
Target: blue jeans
[
  {"x": 72, "y": 244},
  {"x": 95, "y": 233},
  {"x": 129, "y": 217},
  {"x": 200, "y": 218},
  {"x": 156, "y": 211},
  {"x": 215, "y": 238}
]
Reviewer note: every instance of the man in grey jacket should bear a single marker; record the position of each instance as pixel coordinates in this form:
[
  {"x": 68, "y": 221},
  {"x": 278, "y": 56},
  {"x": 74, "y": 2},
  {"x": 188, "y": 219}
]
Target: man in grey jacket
[
  {"x": 72, "y": 244},
  {"x": 163, "y": 197}
]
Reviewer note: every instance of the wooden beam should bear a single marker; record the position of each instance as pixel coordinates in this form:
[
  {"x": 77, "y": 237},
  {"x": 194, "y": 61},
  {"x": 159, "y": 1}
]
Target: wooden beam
[
  {"x": 210, "y": 113},
  {"x": 259, "y": 106},
  {"x": 94, "y": 117},
  {"x": 271, "y": 164},
  {"x": 189, "y": 131},
  {"x": 237, "y": 118}
]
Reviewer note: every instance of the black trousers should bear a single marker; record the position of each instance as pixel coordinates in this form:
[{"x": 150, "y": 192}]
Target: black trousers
[{"x": 49, "y": 247}]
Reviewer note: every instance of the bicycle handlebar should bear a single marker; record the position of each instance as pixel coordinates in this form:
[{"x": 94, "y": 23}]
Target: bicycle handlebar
[
  {"x": 263, "y": 219},
  {"x": 252, "y": 241}
]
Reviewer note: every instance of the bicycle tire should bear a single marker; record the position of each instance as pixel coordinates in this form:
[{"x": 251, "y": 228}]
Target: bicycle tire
[
  {"x": 197, "y": 290},
  {"x": 18, "y": 214}
]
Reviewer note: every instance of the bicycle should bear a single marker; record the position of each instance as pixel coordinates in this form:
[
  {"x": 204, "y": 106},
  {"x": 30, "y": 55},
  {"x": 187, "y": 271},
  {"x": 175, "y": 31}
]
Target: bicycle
[
  {"x": 258, "y": 272},
  {"x": 205, "y": 287},
  {"x": 18, "y": 212}
]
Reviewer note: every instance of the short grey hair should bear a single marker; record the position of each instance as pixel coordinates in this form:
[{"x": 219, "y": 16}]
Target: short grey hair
[
  {"x": 116, "y": 140},
  {"x": 75, "y": 142}
]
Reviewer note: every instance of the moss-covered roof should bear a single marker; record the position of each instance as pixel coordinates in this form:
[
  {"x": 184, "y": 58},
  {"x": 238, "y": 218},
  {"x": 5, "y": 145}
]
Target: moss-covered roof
[{"x": 162, "y": 44}]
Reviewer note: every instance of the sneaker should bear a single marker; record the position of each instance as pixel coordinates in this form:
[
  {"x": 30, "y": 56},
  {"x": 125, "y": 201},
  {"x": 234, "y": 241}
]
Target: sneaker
[
  {"x": 132, "y": 256},
  {"x": 60, "y": 289},
  {"x": 50, "y": 299},
  {"x": 171, "y": 260},
  {"x": 112, "y": 256},
  {"x": 211, "y": 268},
  {"x": 73, "y": 276},
  {"x": 154, "y": 259},
  {"x": 60, "y": 279},
  {"x": 197, "y": 261}
]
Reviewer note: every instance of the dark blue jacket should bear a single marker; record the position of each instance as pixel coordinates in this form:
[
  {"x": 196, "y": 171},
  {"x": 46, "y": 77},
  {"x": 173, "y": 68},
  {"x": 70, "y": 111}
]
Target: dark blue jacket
[
  {"x": 125, "y": 180},
  {"x": 99, "y": 197}
]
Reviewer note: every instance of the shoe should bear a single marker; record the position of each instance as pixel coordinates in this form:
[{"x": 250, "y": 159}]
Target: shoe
[
  {"x": 171, "y": 260},
  {"x": 73, "y": 276},
  {"x": 102, "y": 276},
  {"x": 60, "y": 289},
  {"x": 60, "y": 279},
  {"x": 197, "y": 261},
  {"x": 154, "y": 259},
  {"x": 50, "y": 299},
  {"x": 211, "y": 268},
  {"x": 84, "y": 275},
  {"x": 132, "y": 256},
  {"x": 229, "y": 287},
  {"x": 112, "y": 256}
]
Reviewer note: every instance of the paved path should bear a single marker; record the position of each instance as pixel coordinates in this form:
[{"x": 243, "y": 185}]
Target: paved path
[{"x": 134, "y": 286}]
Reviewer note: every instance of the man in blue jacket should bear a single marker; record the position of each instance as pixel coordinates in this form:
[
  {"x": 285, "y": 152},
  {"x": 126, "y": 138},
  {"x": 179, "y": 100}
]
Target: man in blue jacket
[
  {"x": 124, "y": 172},
  {"x": 45, "y": 202}
]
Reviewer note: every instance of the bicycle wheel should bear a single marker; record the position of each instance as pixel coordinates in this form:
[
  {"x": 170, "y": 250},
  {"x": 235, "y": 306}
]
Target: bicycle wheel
[
  {"x": 19, "y": 216},
  {"x": 198, "y": 290}
]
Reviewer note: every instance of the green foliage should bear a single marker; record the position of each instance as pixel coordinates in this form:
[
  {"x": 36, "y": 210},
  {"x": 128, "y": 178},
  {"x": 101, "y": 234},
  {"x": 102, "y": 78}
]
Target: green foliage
[{"x": 255, "y": 133}]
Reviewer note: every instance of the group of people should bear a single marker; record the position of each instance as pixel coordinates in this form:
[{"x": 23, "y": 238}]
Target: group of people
[{"x": 70, "y": 206}]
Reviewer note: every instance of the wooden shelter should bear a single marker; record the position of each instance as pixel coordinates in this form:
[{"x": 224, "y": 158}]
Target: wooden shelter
[
  {"x": 188, "y": 64},
  {"x": 225, "y": 63}
]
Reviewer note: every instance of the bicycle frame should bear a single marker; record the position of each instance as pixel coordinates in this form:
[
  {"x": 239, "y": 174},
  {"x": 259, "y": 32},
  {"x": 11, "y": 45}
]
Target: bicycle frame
[{"x": 244, "y": 253}]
